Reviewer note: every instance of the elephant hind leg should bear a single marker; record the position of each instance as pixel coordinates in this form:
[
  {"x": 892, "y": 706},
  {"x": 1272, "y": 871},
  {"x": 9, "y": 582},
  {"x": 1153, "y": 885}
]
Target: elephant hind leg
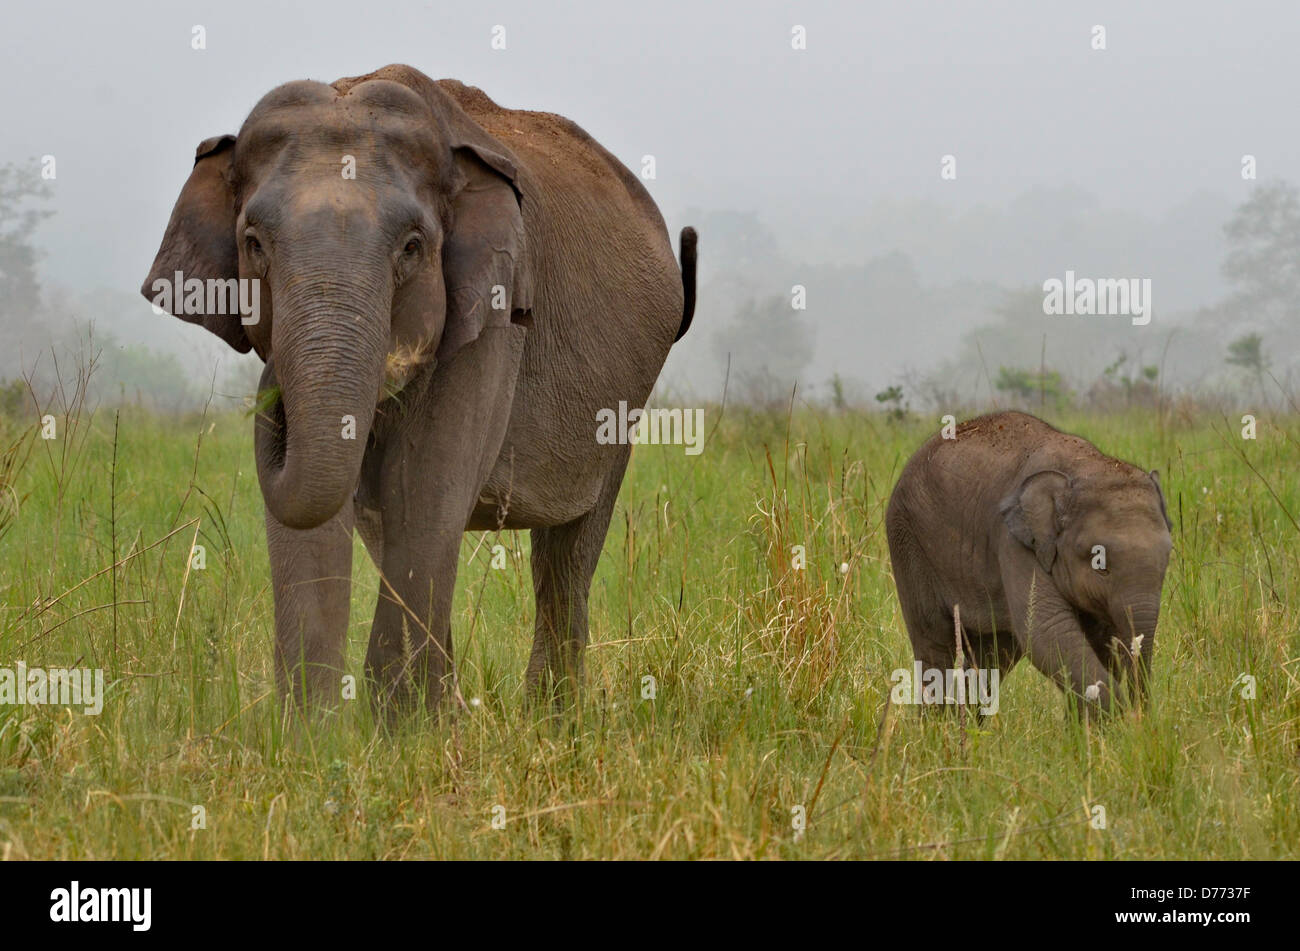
[
  {"x": 990, "y": 652},
  {"x": 929, "y": 623},
  {"x": 994, "y": 651},
  {"x": 564, "y": 560},
  {"x": 370, "y": 526},
  {"x": 934, "y": 641}
]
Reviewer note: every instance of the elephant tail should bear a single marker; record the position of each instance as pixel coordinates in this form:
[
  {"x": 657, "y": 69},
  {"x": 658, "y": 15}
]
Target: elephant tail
[{"x": 688, "y": 239}]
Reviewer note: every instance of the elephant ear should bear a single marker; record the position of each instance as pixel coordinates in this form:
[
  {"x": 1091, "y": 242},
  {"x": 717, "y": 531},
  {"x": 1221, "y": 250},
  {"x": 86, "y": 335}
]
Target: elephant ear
[
  {"x": 1160, "y": 494},
  {"x": 1033, "y": 513},
  {"x": 200, "y": 241},
  {"x": 484, "y": 254}
]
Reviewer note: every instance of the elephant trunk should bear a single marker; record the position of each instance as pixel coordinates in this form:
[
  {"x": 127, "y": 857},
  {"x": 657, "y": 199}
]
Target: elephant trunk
[
  {"x": 1135, "y": 618},
  {"x": 327, "y": 359}
]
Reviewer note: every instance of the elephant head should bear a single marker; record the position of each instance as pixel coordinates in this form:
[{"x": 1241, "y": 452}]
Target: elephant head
[
  {"x": 1103, "y": 536},
  {"x": 382, "y": 229}
]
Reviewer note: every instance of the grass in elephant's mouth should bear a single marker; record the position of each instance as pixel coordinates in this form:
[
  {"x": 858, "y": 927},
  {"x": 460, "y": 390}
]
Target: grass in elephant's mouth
[
  {"x": 728, "y": 692},
  {"x": 265, "y": 401}
]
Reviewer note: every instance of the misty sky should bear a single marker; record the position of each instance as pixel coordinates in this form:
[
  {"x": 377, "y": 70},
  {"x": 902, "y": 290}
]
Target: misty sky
[{"x": 735, "y": 118}]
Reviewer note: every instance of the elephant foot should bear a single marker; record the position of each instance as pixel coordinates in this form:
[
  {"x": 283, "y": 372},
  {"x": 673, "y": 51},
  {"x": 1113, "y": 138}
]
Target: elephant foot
[{"x": 401, "y": 691}]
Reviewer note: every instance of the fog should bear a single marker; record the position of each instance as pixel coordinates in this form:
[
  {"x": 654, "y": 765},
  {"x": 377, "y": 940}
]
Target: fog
[{"x": 818, "y": 167}]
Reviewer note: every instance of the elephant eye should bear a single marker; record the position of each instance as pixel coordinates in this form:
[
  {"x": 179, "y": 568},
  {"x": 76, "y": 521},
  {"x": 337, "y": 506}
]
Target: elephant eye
[
  {"x": 412, "y": 247},
  {"x": 250, "y": 241}
]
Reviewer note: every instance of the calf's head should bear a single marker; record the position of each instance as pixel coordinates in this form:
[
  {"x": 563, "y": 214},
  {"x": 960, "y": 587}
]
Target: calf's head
[{"x": 1104, "y": 537}]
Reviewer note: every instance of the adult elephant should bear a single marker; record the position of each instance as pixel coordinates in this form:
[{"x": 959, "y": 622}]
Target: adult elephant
[
  {"x": 1048, "y": 547},
  {"x": 447, "y": 294}
]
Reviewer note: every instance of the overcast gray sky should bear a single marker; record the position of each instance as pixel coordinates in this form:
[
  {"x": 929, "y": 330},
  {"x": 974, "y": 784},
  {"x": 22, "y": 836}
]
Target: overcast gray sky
[{"x": 736, "y": 119}]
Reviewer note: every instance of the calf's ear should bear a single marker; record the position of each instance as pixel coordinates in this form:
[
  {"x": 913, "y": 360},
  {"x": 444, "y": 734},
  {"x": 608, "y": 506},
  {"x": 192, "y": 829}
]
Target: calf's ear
[{"x": 1033, "y": 512}]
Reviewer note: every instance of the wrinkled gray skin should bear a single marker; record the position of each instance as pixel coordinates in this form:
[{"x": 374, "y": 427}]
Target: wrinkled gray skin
[
  {"x": 1002, "y": 521},
  {"x": 486, "y": 283}
]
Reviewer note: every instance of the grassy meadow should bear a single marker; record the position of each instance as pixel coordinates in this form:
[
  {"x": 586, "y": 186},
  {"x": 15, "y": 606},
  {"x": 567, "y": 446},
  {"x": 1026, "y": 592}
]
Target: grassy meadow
[{"x": 771, "y": 684}]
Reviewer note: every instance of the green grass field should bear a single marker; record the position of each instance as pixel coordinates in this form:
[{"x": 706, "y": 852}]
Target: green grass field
[{"x": 771, "y": 683}]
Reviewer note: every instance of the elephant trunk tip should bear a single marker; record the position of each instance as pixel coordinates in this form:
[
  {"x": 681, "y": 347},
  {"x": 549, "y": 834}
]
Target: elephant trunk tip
[{"x": 301, "y": 490}]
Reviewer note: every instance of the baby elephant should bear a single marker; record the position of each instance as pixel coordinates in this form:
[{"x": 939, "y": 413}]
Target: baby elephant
[{"x": 1041, "y": 545}]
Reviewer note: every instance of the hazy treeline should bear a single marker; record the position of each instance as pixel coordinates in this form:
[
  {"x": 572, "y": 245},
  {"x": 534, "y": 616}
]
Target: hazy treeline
[
  {"x": 911, "y": 305},
  {"x": 953, "y": 315}
]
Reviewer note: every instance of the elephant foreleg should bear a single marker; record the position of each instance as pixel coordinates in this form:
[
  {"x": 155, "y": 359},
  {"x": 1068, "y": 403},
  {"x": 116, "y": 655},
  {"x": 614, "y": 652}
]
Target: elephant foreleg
[
  {"x": 311, "y": 577},
  {"x": 410, "y": 653},
  {"x": 436, "y": 457},
  {"x": 1050, "y": 634}
]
